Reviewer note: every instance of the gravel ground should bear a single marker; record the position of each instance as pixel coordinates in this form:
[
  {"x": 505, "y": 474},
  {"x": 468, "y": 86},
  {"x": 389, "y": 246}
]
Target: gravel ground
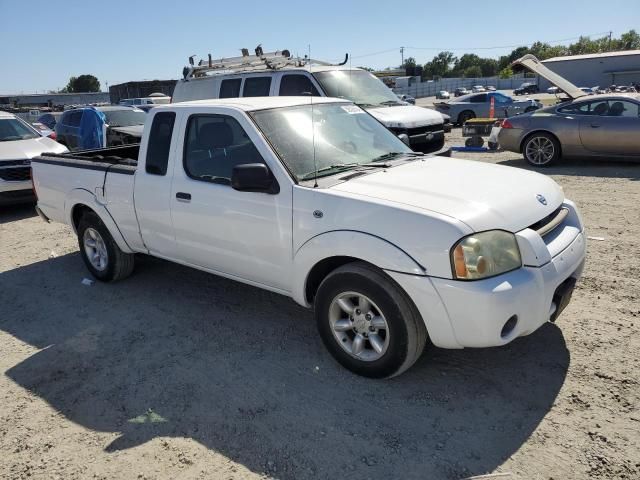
[{"x": 174, "y": 373}]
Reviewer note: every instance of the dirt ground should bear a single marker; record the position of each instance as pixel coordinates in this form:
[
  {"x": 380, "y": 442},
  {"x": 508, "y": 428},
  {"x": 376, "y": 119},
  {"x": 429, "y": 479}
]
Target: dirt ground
[{"x": 174, "y": 373}]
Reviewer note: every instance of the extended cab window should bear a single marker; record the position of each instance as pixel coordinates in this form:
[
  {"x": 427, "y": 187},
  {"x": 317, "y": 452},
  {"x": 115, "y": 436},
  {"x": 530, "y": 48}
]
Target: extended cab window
[
  {"x": 214, "y": 144},
  {"x": 292, "y": 85},
  {"x": 256, "y": 87},
  {"x": 159, "y": 143},
  {"x": 230, "y": 88}
]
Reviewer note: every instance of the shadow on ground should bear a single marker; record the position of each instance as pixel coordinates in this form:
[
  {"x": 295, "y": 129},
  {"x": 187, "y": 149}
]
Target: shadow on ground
[
  {"x": 13, "y": 213},
  {"x": 177, "y": 352},
  {"x": 583, "y": 167}
]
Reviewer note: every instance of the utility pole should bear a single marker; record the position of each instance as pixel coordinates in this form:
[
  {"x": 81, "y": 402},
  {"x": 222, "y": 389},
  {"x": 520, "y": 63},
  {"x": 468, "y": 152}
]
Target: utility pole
[
  {"x": 402, "y": 57},
  {"x": 609, "y": 48}
]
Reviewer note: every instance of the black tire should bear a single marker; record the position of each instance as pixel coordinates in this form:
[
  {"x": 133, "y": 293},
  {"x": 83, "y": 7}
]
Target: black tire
[
  {"x": 119, "y": 264},
  {"x": 464, "y": 116},
  {"x": 407, "y": 334},
  {"x": 541, "y": 138}
]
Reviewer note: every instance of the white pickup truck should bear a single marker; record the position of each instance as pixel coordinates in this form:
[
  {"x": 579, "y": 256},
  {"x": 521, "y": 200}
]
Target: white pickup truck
[{"x": 320, "y": 202}]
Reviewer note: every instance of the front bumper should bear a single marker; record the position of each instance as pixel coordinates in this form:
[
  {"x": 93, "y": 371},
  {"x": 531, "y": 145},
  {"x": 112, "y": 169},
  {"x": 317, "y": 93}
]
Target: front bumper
[{"x": 495, "y": 311}]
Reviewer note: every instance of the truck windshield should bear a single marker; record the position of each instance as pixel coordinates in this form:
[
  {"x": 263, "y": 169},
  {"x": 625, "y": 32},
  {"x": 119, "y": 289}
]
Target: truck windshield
[
  {"x": 360, "y": 87},
  {"x": 14, "y": 129},
  {"x": 344, "y": 137},
  {"x": 125, "y": 118}
]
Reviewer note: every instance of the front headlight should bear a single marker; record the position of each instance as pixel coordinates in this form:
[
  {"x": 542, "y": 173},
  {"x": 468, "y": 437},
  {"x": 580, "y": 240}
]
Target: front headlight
[{"x": 485, "y": 254}]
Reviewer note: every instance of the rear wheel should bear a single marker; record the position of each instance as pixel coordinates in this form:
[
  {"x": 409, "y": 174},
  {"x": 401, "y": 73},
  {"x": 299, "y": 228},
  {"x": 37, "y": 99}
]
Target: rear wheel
[
  {"x": 100, "y": 252},
  {"x": 465, "y": 116},
  {"x": 541, "y": 149},
  {"x": 367, "y": 322}
]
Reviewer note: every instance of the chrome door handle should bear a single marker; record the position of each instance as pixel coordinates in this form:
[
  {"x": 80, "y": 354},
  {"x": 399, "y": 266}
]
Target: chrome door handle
[{"x": 183, "y": 197}]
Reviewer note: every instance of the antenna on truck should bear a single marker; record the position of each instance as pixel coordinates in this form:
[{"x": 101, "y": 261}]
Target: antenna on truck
[{"x": 313, "y": 132}]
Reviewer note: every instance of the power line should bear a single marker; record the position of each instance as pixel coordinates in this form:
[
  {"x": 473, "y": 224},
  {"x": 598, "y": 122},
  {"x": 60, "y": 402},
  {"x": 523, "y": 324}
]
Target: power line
[
  {"x": 395, "y": 49},
  {"x": 509, "y": 46}
]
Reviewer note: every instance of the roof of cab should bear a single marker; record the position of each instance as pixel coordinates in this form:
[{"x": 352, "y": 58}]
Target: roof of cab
[{"x": 253, "y": 103}]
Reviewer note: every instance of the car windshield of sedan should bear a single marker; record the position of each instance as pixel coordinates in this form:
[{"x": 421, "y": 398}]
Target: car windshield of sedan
[
  {"x": 342, "y": 136},
  {"x": 12, "y": 129},
  {"x": 361, "y": 87},
  {"x": 125, "y": 118}
]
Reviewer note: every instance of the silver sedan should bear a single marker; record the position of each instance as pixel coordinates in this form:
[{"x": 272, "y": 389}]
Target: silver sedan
[
  {"x": 593, "y": 126},
  {"x": 478, "y": 105}
]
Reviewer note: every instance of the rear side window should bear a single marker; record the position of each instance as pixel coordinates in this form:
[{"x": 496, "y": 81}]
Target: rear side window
[
  {"x": 291, "y": 85},
  {"x": 478, "y": 98},
  {"x": 256, "y": 87},
  {"x": 159, "y": 143},
  {"x": 73, "y": 118},
  {"x": 230, "y": 88}
]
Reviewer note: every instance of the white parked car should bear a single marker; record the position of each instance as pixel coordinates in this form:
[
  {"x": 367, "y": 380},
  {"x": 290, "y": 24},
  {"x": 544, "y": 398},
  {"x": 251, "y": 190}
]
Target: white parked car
[
  {"x": 19, "y": 142},
  {"x": 478, "y": 89},
  {"x": 319, "y": 202}
]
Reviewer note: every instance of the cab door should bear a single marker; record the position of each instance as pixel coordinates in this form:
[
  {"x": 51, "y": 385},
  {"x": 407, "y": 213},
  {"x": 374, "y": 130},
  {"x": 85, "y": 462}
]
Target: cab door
[
  {"x": 614, "y": 130},
  {"x": 244, "y": 235}
]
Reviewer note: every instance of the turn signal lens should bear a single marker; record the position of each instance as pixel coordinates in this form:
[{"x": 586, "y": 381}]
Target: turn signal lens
[
  {"x": 506, "y": 123},
  {"x": 485, "y": 254}
]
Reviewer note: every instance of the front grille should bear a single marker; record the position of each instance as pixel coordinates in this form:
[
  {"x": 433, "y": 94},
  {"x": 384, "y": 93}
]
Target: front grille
[
  {"x": 15, "y": 174},
  {"x": 550, "y": 222},
  {"x": 426, "y": 129}
]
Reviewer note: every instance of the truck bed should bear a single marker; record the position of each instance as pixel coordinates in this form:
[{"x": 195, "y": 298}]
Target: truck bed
[
  {"x": 102, "y": 178},
  {"x": 120, "y": 159}
]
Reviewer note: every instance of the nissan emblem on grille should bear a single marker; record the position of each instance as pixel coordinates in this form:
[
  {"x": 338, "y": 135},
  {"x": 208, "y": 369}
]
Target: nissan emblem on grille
[{"x": 541, "y": 199}]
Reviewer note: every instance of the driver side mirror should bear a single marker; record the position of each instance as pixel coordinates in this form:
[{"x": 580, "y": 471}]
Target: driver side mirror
[{"x": 254, "y": 177}]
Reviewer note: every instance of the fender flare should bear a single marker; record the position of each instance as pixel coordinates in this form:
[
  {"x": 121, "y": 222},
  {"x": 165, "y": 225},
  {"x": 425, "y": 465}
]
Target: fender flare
[
  {"x": 80, "y": 196},
  {"x": 348, "y": 243}
]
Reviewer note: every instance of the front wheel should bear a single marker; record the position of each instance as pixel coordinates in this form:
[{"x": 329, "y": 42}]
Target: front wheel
[
  {"x": 541, "y": 149},
  {"x": 367, "y": 322},
  {"x": 100, "y": 252}
]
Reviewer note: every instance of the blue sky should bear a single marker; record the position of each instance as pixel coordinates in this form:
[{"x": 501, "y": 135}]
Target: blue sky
[{"x": 42, "y": 43}]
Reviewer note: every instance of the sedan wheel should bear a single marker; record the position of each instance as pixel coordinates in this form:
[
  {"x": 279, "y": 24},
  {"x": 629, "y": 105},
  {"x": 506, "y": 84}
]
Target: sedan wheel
[{"x": 541, "y": 150}]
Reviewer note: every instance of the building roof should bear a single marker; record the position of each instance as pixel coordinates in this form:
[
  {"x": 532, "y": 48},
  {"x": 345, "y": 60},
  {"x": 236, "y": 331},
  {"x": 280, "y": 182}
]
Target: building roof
[
  {"x": 622, "y": 53},
  {"x": 253, "y": 103}
]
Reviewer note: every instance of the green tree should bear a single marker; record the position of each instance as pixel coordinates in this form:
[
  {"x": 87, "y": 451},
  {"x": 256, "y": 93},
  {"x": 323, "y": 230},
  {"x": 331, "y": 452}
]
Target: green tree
[
  {"x": 83, "y": 83},
  {"x": 440, "y": 66},
  {"x": 409, "y": 62},
  {"x": 472, "y": 72},
  {"x": 506, "y": 72}
]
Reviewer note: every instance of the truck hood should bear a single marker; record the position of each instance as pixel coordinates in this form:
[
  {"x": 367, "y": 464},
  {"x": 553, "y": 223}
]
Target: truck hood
[
  {"x": 25, "y": 149},
  {"x": 481, "y": 195},
  {"x": 406, "y": 116},
  {"x": 133, "y": 130}
]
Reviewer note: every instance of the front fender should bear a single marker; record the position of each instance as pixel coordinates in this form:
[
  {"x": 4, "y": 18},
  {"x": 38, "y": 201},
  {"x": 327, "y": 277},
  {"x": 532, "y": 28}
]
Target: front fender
[
  {"x": 84, "y": 197},
  {"x": 347, "y": 243}
]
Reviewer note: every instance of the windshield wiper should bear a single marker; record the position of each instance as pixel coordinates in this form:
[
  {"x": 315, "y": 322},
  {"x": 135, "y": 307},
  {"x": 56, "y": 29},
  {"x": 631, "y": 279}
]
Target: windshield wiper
[
  {"x": 391, "y": 102},
  {"x": 390, "y": 155},
  {"x": 341, "y": 167}
]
